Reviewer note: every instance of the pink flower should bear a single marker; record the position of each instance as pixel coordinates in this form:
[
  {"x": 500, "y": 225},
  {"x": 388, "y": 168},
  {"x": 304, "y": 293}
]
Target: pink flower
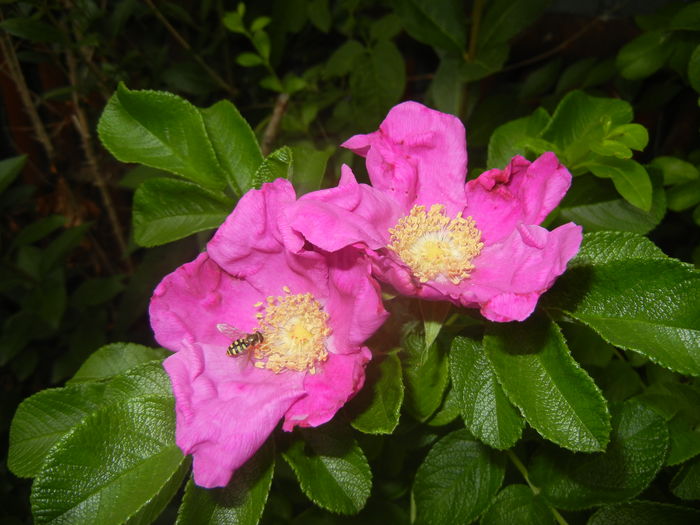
[
  {"x": 429, "y": 235},
  {"x": 314, "y": 311}
]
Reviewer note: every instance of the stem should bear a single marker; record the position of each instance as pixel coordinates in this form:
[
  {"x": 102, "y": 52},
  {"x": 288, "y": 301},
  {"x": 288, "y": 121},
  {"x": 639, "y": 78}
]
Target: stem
[
  {"x": 477, "y": 10},
  {"x": 273, "y": 126},
  {"x": 15, "y": 71},
  {"x": 186, "y": 46},
  {"x": 535, "y": 490}
]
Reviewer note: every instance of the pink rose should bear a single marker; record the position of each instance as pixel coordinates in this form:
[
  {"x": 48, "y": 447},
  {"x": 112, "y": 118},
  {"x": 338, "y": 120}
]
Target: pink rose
[
  {"x": 428, "y": 234},
  {"x": 313, "y": 312}
]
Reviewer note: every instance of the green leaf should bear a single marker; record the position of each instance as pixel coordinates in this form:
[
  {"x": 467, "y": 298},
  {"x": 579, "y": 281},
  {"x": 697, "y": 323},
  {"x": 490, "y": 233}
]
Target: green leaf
[
  {"x": 457, "y": 480},
  {"x": 234, "y": 143},
  {"x": 309, "y": 167},
  {"x": 644, "y": 513},
  {"x": 627, "y": 290},
  {"x": 511, "y": 138},
  {"x": 629, "y": 177},
  {"x": 437, "y": 23},
  {"x": 446, "y": 87},
  {"x": 10, "y": 169},
  {"x": 539, "y": 376},
  {"x": 377, "y": 406},
  {"x": 517, "y": 504},
  {"x": 683, "y": 196},
  {"x": 169, "y": 209},
  {"x": 43, "y": 419},
  {"x": 487, "y": 413},
  {"x": 331, "y": 468},
  {"x": 37, "y": 230},
  {"x": 675, "y": 170},
  {"x": 342, "y": 59},
  {"x": 146, "y": 380},
  {"x": 644, "y": 55},
  {"x": 97, "y": 291},
  {"x": 687, "y": 18},
  {"x": 503, "y": 19},
  {"x": 115, "y": 358},
  {"x": 694, "y": 69},
  {"x": 32, "y": 29},
  {"x": 277, "y": 165},
  {"x": 686, "y": 483},
  {"x": 249, "y": 60},
  {"x": 242, "y": 501},
  {"x": 636, "y": 452},
  {"x": 160, "y": 130},
  {"x": 425, "y": 374},
  {"x": 59, "y": 248},
  {"x": 121, "y": 462},
  {"x": 233, "y": 21},
  {"x": 319, "y": 14},
  {"x": 633, "y": 136},
  {"x": 591, "y": 202}
]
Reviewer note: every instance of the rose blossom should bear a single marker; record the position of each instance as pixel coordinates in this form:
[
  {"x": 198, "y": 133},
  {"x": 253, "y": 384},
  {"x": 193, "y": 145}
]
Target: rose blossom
[
  {"x": 428, "y": 234},
  {"x": 314, "y": 312}
]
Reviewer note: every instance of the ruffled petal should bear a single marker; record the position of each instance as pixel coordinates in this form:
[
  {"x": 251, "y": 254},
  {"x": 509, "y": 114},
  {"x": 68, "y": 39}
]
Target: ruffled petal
[
  {"x": 523, "y": 192},
  {"x": 341, "y": 377},
  {"x": 225, "y": 410},
  {"x": 418, "y": 156},
  {"x": 191, "y": 301}
]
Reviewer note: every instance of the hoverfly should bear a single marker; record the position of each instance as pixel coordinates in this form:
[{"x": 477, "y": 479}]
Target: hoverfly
[{"x": 240, "y": 341}]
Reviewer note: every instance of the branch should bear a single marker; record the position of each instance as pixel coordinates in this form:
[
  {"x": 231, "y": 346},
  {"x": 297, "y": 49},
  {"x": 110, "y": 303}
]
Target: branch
[{"x": 274, "y": 125}]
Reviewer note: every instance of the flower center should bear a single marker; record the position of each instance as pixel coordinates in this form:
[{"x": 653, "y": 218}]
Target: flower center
[
  {"x": 294, "y": 329},
  {"x": 433, "y": 245}
]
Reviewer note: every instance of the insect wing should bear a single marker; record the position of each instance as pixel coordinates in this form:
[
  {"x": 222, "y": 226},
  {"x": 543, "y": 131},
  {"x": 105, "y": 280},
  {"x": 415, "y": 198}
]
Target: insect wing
[{"x": 230, "y": 331}]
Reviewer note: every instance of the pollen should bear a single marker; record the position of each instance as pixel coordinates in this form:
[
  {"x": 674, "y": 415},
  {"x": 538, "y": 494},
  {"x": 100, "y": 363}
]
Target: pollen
[
  {"x": 434, "y": 246},
  {"x": 295, "y": 330}
]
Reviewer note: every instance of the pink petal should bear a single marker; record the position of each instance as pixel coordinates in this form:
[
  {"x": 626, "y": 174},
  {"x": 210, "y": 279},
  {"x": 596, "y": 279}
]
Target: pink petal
[
  {"x": 327, "y": 391},
  {"x": 338, "y": 217},
  {"x": 191, "y": 301},
  {"x": 225, "y": 410},
  {"x": 523, "y": 192},
  {"x": 418, "y": 156}
]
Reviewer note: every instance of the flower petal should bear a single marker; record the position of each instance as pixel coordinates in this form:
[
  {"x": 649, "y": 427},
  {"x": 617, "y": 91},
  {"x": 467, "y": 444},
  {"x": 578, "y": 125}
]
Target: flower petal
[
  {"x": 523, "y": 192},
  {"x": 327, "y": 391},
  {"x": 418, "y": 156},
  {"x": 225, "y": 409}
]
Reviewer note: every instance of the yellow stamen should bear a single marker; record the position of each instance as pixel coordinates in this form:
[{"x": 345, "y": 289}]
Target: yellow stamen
[
  {"x": 286, "y": 289},
  {"x": 432, "y": 245},
  {"x": 295, "y": 329}
]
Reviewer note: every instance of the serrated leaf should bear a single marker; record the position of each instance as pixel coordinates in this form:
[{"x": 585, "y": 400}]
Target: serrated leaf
[
  {"x": 43, "y": 419},
  {"x": 686, "y": 483},
  {"x": 539, "y": 376},
  {"x": 331, "y": 468},
  {"x": 486, "y": 411},
  {"x": 378, "y": 404},
  {"x": 629, "y": 177},
  {"x": 242, "y": 501},
  {"x": 278, "y": 164},
  {"x": 121, "y": 458},
  {"x": 425, "y": 373},
  {"x": 160, "y": 130},
  {"x": 146, "y": 380},
  {"x": 169, "y": 209},
  {"x": 234, "y": 143},
  {"x": 644, "y": 55},
  {"x": 636, "y": 452},
  {"x": 627, "y": 290},
  {"x": 115, "y": 358},
  {"x": 644, "y": 513},
  {"x": 517, "y": 504},
  {"x": 436, "y": 23},
  {"x": 10, "y": 169},
  {"x": 457, "y": 480}
]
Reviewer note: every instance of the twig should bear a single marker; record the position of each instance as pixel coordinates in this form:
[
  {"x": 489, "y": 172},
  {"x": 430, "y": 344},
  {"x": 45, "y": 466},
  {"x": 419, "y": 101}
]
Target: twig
[
  {"x": 15, "y": 71},
  {"x": 81, "y": 124},
  {"x": 273, "y": 126},
  {"x": 185, "y": 45}
]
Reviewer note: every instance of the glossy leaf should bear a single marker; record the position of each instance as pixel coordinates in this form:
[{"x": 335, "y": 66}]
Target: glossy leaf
[
  {"x": 644, "y": 55},
  {"x": 644, "y": 513},
  {"x": 277, "y": 165},
  {"x": 169, "y": 209},
  {"x": 115, "y": 358},
  {"x": 242, "y": 501},
  {"x": 457, "y": 480},
  {"x": 517, "y": 504},
  {"x": 425, "y": 373},
  {"x": 378, "y": 404},
  {"x": 635, "y": 297},
  {"x": 511, "y": 138},
  {"x": 234, "y": 143},
  {"x": 160, "y": 130},
  {"x": 539, "y": 376},
  {"x": 686, "y": 483},
  {"x": 331, "y": 468},
  {"x": 436, "y": 23},
  {"x": 630, "y": 179},
  {"x": 634, "y": 456},
  {"x": 487, "y": 413}
]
